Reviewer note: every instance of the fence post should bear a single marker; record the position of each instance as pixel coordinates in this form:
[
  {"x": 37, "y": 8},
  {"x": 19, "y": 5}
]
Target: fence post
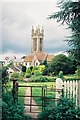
[
  {"x": 44, "y": 99},
  {"x": 15, "y": 90},
  {"x": 78, "y": 94},
  {"x": 31, "y": 100},
  {"x": 62, "y": 90}
]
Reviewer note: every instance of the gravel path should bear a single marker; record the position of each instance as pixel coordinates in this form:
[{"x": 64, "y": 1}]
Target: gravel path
[{"x": 27, "y": 108}]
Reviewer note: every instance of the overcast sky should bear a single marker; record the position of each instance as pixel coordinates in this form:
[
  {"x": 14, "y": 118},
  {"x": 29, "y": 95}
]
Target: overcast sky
[{"x": 17, "y": 21}]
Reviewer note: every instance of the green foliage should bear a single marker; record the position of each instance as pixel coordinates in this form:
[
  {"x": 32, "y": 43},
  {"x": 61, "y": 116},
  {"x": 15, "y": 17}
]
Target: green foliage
[
  {"x": 37, "y": 73},
  {"x": 44, "y": 63},
  {"x": 4, "y": 75},
  {"x": 46, "y": 71},
  {"x": 15, "y": 75},
  {"x": 70, "y": 13},
  {"x": 28, "y": 70},
  {"x": 78, "y": 113},
  {"x": 41, "y": 68},
  {"x": 34, "y": 68},
  {"x": 61, "y": 63},
  {"x": 12, "y": 110},
  {"x": 61, "y": 74},
  {"x": 42, "y": 79},
  {"x": 31, "y": 67},
  {"x": 23, "y": 68},
  {"x": 28, "y": 75},
  {"x": 64, "y": 110}
]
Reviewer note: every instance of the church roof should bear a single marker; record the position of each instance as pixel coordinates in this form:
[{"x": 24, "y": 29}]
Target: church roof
[
  {"x": 29, "y": 58},
  {"x": 39, "y": 56}
]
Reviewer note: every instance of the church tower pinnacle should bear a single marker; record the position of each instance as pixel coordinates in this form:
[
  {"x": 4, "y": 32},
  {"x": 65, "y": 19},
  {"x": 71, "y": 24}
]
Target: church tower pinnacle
[{"x": 37, "y": 40}]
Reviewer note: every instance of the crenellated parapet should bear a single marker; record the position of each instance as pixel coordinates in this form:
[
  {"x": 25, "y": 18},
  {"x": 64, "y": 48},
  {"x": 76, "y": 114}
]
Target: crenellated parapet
[{"x": 37, "y": 31}]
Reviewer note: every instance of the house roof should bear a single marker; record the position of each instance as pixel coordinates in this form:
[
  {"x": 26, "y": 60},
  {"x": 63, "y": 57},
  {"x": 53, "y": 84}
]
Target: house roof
[
  {"x": 16, "y": 68},
  {"x": 29, "y": 58},
  {"x": 19, "y": 67},
  {"x": 39, "y": 56}
]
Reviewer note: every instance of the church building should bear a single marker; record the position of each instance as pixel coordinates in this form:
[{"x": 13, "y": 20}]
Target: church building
[{"x": 37, "y": 54}]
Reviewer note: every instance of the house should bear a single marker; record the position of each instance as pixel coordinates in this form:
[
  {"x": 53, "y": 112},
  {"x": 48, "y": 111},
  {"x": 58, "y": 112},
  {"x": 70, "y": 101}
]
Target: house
[{"x": 14, "y": 69}]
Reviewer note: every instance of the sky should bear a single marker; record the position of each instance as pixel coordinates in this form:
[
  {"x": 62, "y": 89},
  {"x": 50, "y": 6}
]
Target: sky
[{"x": 17, "y": 19}]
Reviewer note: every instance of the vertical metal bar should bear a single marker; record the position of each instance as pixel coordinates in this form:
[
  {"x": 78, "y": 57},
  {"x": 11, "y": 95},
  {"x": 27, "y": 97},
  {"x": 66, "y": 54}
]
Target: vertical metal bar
[
  {"x": 42, "y": 98},
  {"x": 62, "y": 92},
  {"x": 31, "y": 99},
  {"x": 14, "y": 90},
  {"x": 46, "y": 90}
]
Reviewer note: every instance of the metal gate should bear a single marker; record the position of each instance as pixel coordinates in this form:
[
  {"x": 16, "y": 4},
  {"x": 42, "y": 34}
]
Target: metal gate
[{"x": 42, "y": 96}]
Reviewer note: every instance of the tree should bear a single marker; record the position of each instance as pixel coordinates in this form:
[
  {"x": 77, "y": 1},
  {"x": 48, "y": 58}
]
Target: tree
[
  {"x": 4, "y": 78},
  {"x": 61, "y": 63},
  {"x": 70, "y": 13}
]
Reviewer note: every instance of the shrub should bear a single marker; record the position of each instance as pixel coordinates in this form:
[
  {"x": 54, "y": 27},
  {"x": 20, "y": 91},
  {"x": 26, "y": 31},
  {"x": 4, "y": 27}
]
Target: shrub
[
  {"x": 64, "y": 110},
  {"x": 37, "y": 73},
  {"x": 78, "y": 113},
  {"x": 23, "y": 68},
  {"x": 38, "y": 79},
  {"x": 28, "y": 75},
  {"x": 11, "y": 110},
  {"x": 28, "y": 71},
  {"x": 41, "y": 68},
  {"x": 15, "y": 75},
  {"x": 61, "y": 74},
  {"x": 42, "y": 79}
]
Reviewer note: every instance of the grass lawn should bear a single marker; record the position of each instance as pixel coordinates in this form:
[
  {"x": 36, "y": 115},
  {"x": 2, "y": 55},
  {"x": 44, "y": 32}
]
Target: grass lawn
[{"x": 70, "y": 76}]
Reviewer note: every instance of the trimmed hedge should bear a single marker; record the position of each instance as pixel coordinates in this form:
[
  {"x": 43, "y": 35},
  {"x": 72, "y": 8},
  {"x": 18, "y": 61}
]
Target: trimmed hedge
[{"x": 42, "y": 79}]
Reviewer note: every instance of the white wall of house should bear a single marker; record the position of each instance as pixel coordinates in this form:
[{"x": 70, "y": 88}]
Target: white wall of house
[
  {"x": 33, "y": 63},
  {"x": 27, "y": 64},
  {"x": 10, "y": 71},
  {"x": 37, "y": 63}
]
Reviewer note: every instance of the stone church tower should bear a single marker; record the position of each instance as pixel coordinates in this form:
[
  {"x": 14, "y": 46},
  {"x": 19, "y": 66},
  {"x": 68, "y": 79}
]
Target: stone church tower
[{"x": 37, "y": 40}]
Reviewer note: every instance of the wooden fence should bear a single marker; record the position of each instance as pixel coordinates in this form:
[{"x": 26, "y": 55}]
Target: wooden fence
[{"x": 72, "y": 89}]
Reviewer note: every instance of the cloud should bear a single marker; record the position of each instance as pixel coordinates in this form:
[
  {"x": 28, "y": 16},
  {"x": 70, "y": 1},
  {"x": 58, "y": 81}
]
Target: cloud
[{"x": 18, "y": 19}]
